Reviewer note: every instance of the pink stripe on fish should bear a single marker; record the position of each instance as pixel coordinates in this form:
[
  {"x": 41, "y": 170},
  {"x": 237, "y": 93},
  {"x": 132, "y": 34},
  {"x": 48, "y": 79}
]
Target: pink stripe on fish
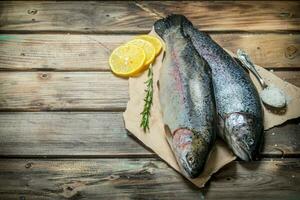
[{"x": 177, "y": 76}]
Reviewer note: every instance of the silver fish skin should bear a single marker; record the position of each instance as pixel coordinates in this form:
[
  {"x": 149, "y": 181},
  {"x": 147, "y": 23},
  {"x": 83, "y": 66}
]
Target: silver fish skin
[
  {"x": 239, "y": 109},
  {"x": 186, "y": 98}
]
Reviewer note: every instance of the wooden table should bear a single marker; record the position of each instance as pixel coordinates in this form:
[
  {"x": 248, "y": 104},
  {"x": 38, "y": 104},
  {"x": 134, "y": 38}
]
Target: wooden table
[{"x": 61, "y": 128}]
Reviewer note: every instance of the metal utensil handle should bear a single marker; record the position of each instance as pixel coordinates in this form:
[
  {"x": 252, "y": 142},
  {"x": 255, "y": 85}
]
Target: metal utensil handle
[{"x": 246, "y": 61}]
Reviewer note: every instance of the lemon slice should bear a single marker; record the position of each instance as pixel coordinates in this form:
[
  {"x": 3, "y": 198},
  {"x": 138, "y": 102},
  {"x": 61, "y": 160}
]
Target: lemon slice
[
  {"x": 127, "y": 60},
  {"x": 148, "y": 48},
  {"x": 153, "y": 40}
]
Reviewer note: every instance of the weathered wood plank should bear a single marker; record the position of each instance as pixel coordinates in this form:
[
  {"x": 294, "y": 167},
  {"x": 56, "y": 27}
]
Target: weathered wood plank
[
  {"x": 70, "y": 134},
  {"x": 283, "y": 140},
  {"x": 289, "y": 76},
  {"x": 62, "y": 91},
  {"x": 143, "y": 179},
  {"x": 103, "y": 17},
  {"x": 36, "y": 91},
  {"x": 101, "y": 134},
  {"x": 90, "y": 52}
]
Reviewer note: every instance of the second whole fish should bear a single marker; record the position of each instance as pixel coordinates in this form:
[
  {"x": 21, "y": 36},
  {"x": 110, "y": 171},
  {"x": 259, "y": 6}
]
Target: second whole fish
[{"x": 240, "y": 115}]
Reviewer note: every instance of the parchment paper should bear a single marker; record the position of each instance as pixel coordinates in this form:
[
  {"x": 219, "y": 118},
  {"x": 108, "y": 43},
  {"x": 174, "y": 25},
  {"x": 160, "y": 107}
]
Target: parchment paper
[{"x": 220, "y": 155}]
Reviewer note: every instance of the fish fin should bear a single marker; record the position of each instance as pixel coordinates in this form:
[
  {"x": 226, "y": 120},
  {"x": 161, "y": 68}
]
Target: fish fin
[
  {"x": 221, "y": 126},
  {"x": 163, "y": 26},
  {"x": 168, "y": 131},
  {"x": 164, "y": 55}
]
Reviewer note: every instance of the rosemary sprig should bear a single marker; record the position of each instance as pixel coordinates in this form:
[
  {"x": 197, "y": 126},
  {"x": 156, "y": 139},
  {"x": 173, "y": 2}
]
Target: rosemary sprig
[{"x": 147, "y": 101}]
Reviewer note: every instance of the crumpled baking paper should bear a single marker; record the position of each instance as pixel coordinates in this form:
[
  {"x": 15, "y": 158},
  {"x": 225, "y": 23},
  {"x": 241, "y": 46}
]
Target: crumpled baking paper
[{"x": 155, "y": 138}]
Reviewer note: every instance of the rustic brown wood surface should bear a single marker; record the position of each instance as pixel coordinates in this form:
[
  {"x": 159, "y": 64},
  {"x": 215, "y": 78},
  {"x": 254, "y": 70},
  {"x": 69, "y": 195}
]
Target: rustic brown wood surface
[
  {"x": 124, "y": 17},
  {"x": 102, "y": 134},
  {"x": 91, "y": 52},
  {"x": 62, "y": 91},
  {"x": 41, "y": 91},
  {"x": 143, "y": 179},
  {"x": 53, "y": 57}
]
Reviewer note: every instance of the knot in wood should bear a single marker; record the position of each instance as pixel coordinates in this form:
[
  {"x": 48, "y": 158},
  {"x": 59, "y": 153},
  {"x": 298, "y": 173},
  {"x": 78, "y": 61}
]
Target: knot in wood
[
  {"x": 44, "y": 76},
  {"x": 291, "y": 52},
  {"x": 28, "y": 165},
  {"x": 285, "y": 14},
  {"x": 32, "y": 11},
  {"x": 69, "y": 188}
]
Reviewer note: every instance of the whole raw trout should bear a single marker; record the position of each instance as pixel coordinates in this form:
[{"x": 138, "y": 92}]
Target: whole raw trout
[
  {"x": 186, "y": 98},
  {"x": 240, "y": 116}
]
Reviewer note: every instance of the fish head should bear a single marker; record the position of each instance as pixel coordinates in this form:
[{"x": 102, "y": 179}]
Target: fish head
[
  {"x": 191, "y": 151},
  {"x": 243, "y": 132}
]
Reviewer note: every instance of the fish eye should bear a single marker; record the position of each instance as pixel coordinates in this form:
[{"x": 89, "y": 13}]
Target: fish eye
[
  {"x": 190, "y": 159},
  {"x": 251, "y": 141}
]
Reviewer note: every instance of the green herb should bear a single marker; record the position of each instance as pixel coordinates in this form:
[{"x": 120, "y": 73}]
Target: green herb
[{"x": 147, "y": 101}]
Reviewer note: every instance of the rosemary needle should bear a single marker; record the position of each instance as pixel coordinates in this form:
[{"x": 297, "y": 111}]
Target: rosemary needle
[{"x": 147, "y": 101}]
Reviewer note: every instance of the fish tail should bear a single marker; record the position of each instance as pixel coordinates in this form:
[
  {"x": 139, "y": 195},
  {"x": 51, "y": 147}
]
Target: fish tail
[{"x": 163, "y": 26}]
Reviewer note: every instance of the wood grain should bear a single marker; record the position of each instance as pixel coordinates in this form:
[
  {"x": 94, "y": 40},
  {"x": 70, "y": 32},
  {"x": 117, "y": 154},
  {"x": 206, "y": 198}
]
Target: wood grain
[
  {"x": 36, "y": 91},
  {"x": 101, "y": 134},
  {"x": 107, "y": 163},
  {"x": 63, "y": 52},
  {"x": 289, "y": 76},
  {"x": 143, "y": 179},
  {"x": 66, "y": 134},
  {"x": 282, "y": 141},
  {"x": 107, "y": 17},
  {"x": 76, "y": 91}
]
